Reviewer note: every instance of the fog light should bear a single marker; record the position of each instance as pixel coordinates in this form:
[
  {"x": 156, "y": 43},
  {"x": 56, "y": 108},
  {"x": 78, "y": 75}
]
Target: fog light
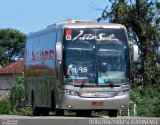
[
  {"x": 69, "y": 106},
  {"x": 122, "y": 106}
]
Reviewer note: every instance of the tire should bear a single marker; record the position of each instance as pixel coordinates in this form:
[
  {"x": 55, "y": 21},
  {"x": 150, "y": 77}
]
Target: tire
[
  {"x": 59, "y": 112},
  {"x": 44, "y": 111},
  {"x": 112, "y": 113},
  {"x": 79, "y": 113},
  {"x": 53, "y": 104},
  {"x": 35, "y": 110},
  {"x": 86, "y": 113}
]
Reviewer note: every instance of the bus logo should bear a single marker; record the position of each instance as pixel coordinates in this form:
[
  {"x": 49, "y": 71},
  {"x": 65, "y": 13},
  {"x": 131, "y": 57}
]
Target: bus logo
[{"x": 68, "y": 34}]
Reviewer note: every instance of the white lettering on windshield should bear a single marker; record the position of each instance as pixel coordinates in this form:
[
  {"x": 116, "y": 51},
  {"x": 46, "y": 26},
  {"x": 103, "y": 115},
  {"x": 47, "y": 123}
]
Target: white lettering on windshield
[{"x": 99, "y": 37}]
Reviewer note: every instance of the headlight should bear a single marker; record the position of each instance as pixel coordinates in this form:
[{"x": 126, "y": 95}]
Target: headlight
[
  {"x": 120, "y": 93},
  {"x": 70, "y": 92}
]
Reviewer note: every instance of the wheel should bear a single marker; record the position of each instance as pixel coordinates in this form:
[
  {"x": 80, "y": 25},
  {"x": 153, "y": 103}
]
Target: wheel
[
  {"x": 85, "y": 113},
  {"x": 35, "y": 110},
  {"x": 79, "y": 113},
  {"x": 112, "y": 113},
  {"x": 59, "y": 112},
  {"x": 53, "y": 105},
  {"x": 44, "y": 111}
]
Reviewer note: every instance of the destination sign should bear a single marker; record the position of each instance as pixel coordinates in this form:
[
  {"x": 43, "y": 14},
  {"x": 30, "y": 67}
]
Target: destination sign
[{"x": 86, "y": 34}]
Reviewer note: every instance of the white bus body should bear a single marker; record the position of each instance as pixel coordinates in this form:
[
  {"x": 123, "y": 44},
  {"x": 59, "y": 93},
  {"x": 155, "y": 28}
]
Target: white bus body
[{"x": 98, "y": 56}]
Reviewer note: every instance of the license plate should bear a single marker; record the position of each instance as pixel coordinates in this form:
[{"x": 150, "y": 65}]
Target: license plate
[{"x": 97, "y": 103}]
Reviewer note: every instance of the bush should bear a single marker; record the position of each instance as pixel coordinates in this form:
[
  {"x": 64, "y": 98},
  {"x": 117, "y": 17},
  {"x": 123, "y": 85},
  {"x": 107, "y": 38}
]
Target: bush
[
  {"x": 147, "y": 100},
  {"x": 4, "y": 106},
  {"x": 17, "y": 94},
  {"x": 17, "y": 98}
]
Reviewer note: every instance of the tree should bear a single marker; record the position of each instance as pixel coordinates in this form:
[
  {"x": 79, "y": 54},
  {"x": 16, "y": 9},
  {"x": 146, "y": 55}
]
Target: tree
[
  {"x": 12, "y": 44},
  {"x": 142, "y": 20}
]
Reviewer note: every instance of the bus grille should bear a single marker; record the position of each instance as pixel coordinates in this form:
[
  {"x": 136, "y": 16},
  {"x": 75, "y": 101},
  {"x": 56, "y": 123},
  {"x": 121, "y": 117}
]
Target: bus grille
[{"x": 97, "y": 94}]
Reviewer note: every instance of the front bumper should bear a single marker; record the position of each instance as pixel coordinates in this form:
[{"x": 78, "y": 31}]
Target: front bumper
[{"x": 79, "y": 103}]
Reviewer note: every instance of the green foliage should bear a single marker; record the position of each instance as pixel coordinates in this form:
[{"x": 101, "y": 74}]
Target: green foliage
[
  {"x": 147, "y": 101},
  {"x": 22, "y": 111},
  {"x": 12, "y": 44},
  {"x": 17, "y": 94},
  {"x": 17, "y": 99},
  {"x": 4, "y": 106}
]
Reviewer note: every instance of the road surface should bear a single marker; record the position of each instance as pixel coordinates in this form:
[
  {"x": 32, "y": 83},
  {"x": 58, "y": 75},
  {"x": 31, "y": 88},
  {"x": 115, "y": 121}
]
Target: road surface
[{"x": 54, "y": 120}]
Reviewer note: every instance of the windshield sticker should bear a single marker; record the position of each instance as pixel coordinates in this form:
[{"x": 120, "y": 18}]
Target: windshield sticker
[
  {"x": 68, "y": 34},
  {"x": 89, "y": 36},
  {"x": 101, "y": 80}
]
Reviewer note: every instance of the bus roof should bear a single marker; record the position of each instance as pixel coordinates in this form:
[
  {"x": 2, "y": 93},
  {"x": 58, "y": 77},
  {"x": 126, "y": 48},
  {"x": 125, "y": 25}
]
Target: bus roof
[
  {"x": 85, "y": 24},
  {"x": 76, "y": 24}
]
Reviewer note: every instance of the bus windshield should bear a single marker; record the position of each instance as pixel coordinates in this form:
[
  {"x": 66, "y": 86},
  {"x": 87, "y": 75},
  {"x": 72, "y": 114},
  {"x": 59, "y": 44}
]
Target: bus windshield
[{"x": 95, "y": 56}]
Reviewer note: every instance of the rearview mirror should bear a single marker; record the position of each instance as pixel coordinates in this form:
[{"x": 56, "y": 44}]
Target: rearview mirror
[
  {"x": 134, "y": 53},
  {"x": 59, "y": 51}
]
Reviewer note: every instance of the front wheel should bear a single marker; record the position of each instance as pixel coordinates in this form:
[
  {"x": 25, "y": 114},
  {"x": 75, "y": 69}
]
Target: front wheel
[
  {"x": 79, "y": 113},
  {"x": 53, "y": 104},
  {"x": 112, "y": 113},
  {"x": 59, "y": 112},
  {"x": 44, "y": 111},
  {"x": 85, "y": 113}
]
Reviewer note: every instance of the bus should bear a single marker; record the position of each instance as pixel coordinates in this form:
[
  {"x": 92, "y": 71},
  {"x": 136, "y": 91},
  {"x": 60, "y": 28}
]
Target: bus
[{"x": 80, "y": 66}]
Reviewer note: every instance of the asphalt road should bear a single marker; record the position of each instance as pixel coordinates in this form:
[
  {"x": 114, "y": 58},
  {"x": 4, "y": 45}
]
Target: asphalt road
[{"x": 54, "y": 120}]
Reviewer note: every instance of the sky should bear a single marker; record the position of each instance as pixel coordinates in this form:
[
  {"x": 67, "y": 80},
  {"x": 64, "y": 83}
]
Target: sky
[{"x": 33, "y": 15}]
